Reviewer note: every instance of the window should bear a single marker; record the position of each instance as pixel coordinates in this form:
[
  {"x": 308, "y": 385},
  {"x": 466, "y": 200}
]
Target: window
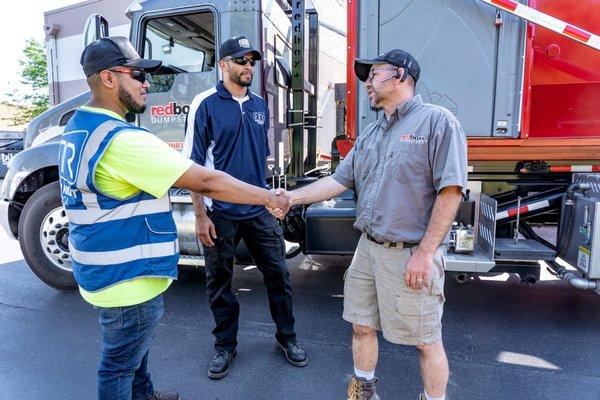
[{"x": 185, "y": 43}]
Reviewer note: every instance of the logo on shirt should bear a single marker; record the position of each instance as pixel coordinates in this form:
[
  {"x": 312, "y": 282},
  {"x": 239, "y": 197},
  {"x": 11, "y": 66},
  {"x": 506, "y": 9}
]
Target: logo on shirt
[
  {"x": 259, "y": 117},
  {"x": 410, "y": 138}
]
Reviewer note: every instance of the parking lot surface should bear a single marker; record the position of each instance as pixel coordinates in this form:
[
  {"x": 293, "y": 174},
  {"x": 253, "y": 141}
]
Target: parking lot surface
[{"x": 504, "y": 339}]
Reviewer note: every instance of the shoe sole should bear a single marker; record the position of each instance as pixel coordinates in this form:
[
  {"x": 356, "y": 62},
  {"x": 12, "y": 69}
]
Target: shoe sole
[
  {"x": 294, "y": 363},
  {"x": 220, "y": 375}
]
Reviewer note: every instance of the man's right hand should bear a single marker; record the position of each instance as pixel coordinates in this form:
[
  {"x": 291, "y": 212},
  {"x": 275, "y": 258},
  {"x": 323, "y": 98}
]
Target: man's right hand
[
  {"x": 205, "y": 230},
  {"x": 280, "y": 203}
]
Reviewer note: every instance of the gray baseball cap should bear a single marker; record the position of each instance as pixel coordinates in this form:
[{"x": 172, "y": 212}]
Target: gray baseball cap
[{"x": 114, "y": 51}]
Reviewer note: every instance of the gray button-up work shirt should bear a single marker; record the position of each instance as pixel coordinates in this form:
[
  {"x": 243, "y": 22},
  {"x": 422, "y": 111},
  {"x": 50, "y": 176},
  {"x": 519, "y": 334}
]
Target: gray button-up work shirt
[{"x": 398, "y": 166}]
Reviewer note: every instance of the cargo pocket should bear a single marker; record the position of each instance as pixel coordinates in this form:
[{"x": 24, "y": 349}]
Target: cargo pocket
[
  {"x": 162, "y": 235},
  {"x": 161, "y": 226},
  {"x": 418, "y": 318},
  {"x": 278, "y": 232}
]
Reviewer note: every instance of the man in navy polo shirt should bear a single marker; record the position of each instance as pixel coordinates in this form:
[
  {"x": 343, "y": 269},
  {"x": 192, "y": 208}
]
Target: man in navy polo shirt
[{"x": 227, "y": 130}]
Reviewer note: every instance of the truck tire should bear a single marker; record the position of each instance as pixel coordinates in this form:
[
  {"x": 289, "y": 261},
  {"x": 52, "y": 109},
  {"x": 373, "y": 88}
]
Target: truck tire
[{"x": 43, "y": 237}]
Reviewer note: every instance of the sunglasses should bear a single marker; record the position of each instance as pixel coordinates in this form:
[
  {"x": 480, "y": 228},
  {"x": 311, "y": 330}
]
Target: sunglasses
[
  {"x": 243, "y": 60},
  {"x": 137, "y": 74}
]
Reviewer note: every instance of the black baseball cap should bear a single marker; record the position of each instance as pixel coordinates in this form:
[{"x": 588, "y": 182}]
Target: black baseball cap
[
  {"x": 395, "y": 57},
  {"x": 113, "y": 51},
  {"x": 238, "y": 46}
]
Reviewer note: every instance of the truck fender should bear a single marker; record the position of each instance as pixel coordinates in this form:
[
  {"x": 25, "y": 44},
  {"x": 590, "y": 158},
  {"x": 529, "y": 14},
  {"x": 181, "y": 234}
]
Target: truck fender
[{"x": 29, "y": 170}]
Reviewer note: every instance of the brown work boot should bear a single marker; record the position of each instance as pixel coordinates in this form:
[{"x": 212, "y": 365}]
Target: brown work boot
[{"x": 362, "y": 389}]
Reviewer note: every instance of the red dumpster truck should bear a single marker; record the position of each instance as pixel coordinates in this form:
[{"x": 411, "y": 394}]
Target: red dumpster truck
[{"x": 522, "y": 78}]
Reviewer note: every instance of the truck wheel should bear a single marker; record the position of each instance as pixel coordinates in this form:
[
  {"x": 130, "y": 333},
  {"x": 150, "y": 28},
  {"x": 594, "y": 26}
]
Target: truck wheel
[{"x": 43, "y": 236}]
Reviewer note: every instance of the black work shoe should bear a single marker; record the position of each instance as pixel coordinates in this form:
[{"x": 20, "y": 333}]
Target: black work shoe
[
  {"x": 220, "y": 364},
  {"x": 293, "y": 353},
  {"x": 165, "y": 396},
  {"x": 362, "y": 389}
]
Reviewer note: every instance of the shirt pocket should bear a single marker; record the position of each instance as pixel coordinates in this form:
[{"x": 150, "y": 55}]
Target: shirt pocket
[
  {"x": 408, "y": 163},
  {"x": 365, "y": 161}
]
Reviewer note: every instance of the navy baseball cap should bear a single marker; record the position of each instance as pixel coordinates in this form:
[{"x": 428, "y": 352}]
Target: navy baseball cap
[
  {"x": 395, "y": 57},
  {"x": 238, "y": 46},
  {"x": 113, "y": 51}
]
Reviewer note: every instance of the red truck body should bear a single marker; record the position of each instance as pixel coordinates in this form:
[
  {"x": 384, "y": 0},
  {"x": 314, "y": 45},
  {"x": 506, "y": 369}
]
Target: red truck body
[{"x": 560, "y": 117}]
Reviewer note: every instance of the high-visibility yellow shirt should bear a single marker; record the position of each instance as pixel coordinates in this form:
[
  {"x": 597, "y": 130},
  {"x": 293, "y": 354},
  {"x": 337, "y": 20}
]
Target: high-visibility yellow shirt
[{"x": 134, "y": 161}]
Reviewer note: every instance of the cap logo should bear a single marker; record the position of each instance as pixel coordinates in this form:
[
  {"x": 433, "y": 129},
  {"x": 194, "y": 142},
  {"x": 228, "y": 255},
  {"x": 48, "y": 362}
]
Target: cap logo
[{"x": 244, "y": 43}]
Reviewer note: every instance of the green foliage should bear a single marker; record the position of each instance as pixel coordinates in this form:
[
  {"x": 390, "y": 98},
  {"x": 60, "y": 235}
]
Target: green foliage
[{"x": 34, "y": 75}]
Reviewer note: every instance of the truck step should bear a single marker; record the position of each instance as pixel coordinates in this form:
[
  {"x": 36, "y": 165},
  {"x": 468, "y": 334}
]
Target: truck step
[
  {"x": 197, "y": 261},
  {"x": 523, "y": 250}
]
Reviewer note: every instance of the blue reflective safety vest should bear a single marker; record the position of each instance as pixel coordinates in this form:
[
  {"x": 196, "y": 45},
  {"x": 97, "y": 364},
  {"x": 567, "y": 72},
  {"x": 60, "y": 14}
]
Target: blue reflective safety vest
[{"x": 110, "y": 240}]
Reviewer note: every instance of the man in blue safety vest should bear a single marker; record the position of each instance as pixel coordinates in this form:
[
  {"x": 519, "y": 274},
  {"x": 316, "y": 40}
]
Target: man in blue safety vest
[{"x": 114, "y": 180}]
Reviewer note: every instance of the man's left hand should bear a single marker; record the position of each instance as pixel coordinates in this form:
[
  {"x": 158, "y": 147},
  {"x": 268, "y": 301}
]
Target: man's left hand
[
  {"x": 280, "y": 203},
  {"x": 418, "y": 270}
]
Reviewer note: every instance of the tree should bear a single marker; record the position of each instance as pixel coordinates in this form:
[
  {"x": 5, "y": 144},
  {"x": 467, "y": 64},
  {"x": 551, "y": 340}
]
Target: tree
[{"x": 34, "y": 75}]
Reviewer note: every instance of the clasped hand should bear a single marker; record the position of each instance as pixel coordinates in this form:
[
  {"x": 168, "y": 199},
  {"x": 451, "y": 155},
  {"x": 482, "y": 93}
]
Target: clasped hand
[{"x": 280, "y": 203}]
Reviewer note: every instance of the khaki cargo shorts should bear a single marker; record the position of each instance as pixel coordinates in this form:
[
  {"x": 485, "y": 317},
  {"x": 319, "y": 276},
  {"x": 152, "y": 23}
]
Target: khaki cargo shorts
[{"x": 376, "y": 295}]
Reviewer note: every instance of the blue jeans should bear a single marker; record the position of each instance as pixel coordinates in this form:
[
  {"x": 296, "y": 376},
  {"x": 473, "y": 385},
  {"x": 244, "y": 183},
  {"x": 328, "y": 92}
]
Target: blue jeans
[{"x": 127, "y": 333}]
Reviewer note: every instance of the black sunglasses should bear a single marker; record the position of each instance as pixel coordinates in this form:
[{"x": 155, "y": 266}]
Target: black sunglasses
[
  {"x": 243, "y": 60},
  {"x": 137, "y": 74}
]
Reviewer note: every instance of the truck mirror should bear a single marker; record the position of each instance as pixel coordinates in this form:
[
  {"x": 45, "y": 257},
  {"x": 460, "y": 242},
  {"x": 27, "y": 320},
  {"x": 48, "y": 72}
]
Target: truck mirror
[
  {"x": 95, "y": 27},
  {"x": 283, "y": 73}
]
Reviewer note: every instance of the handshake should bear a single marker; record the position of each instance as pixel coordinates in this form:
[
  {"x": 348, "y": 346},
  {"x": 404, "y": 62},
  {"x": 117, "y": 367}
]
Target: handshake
[{"x": 279, "y": 203}]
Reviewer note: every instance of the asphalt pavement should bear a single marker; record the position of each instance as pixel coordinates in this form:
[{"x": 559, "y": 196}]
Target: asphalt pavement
[{"x": 505, "y": 340}]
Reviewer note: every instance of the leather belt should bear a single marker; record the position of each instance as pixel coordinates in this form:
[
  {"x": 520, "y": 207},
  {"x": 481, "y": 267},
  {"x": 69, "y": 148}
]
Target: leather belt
[{"x": 398, "y": 245}]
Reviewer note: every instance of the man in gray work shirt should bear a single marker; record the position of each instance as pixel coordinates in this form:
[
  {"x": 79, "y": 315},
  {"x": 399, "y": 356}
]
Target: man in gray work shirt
[{"x": 409, "y": 170}]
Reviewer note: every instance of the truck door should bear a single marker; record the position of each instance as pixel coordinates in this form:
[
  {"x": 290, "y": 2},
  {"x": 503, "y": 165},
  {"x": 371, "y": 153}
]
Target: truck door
[
  {"x": 185, "y": 42},
  {"x": 470, "y": 57}
]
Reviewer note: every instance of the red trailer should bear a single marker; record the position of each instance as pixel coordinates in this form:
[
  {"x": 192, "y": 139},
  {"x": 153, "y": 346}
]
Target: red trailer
[{"x": 526, "y": 169}]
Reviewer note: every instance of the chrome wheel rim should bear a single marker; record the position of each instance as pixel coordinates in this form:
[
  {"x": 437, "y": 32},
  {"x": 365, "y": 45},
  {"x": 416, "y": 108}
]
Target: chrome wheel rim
[{"x": 54, "y": 236}]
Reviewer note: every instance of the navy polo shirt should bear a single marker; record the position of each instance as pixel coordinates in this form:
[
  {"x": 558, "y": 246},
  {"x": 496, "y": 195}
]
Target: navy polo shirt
[{"x": 229, "y": 135}]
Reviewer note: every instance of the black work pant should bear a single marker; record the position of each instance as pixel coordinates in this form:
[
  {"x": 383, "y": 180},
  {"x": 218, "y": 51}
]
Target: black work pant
[{"x": 264, "y": 239}]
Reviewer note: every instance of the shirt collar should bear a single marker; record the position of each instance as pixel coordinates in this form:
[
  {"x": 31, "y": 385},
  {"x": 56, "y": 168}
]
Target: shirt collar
[
  {"x": 401, "y": 111},
  {"x": 223, "y": 92},
  {"x": 104, "y": 111},
  {"x": 408, "y": 105}
]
